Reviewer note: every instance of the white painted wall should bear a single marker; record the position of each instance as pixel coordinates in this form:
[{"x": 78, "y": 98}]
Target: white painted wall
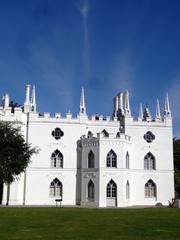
[{"x": 75, "y": 175}]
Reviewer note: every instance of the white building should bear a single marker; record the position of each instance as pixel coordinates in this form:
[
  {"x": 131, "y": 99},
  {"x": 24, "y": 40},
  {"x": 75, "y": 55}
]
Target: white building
[{"x": 94, "y": 161}]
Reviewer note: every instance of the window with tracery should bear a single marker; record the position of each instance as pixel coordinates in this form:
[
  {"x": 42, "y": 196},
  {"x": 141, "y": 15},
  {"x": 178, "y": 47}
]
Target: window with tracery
[
  {"x": 150, "y": 189},
  {"x": 149, "y": 161},
  {"x": 57, "y": 159},
  {"x": 111, "y": 189},
  {"x": 149, "y": 137},
  {"x": 111, "y": 159},
  {"x": 55, "y": 188},
  {"x": 57, "y": 133}
]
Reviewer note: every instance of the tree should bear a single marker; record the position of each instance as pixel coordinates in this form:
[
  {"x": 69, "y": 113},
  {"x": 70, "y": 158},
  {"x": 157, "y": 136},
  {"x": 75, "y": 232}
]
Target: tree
[
  {"x": 176, "y": 146},
  {"x": 15, "y": 154}
]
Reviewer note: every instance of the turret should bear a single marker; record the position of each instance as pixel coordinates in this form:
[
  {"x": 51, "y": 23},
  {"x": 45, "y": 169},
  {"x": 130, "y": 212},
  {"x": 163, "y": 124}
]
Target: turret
[
  {"x": 121, "y": 104},
  {"x": 27, "y": 104}
]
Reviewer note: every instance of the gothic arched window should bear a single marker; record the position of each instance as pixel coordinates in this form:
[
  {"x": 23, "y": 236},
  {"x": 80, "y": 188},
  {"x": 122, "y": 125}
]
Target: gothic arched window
[
  {"x": 56, "y": 188},
  {"x": 127, "y": 160},
  {"x": 57, "y": 159},
  {"x": 111, "y": 159},
  {"x": 127, "y": 190},
  {"x": 91, "y": 159},
  {"x": 149, "y": 161},
  {"x": 91, "y": 191},
  {"x": 150, "y": 189},
  {"x": 111, "y": 189}
]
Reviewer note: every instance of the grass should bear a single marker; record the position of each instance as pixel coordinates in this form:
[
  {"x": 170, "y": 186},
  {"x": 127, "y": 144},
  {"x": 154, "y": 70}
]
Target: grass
[{"x": 89, "y": 224}]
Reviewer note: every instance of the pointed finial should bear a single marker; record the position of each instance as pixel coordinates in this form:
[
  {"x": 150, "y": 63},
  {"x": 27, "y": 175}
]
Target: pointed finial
[
  {"x": 126, "y": 104},
  {"x": 140, "y": 111},
  {"x": 121, "y": 101},
  {"x": 33, "y": 99},
  {"x": 127, "y": 100},
  {"x": 146, "y": 114},
  {"x": 167, "y": 111},
  {"x": 27, "y": 103},
  {"x": 82, "y": 103},
  {"x": 158, "y": 112},
  {"x": 28, "y": 87},
  {"x": 5, "y": 101}
]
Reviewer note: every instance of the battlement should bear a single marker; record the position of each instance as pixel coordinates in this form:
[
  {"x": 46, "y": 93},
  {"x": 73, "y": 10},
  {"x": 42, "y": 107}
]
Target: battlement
[
  {"x": 121, "y": 113},
  {"x": 91, "y": 141},
  {"x": 17, "y": 114}
]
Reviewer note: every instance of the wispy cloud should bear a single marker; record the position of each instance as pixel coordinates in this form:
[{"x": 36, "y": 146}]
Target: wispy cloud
[
  {"x": 123, "y": 72},
  {"x": 84, "y": 10}
]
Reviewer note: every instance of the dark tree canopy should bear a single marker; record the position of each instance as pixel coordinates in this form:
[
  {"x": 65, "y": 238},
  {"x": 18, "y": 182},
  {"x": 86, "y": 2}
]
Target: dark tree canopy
[
  {"x": 176, "y": 146},
  {"x": 15, "y": 153}
]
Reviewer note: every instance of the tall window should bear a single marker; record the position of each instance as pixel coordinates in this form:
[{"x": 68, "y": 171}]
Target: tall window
[
  {"x": 149, "y": 162},
  {"x": 57, "y": 159},
  {"x": 111, "y": 159},
  {"x": 111, "y": 189},
  {"x": 127, "y": 160},
  {"x": 150, "y": 189},
  {"x": 127, "y": 190},
  {"x": 91, "y": 191},
  {"x": 55, "y": 188},
  {"x": 91, "y": 159}
]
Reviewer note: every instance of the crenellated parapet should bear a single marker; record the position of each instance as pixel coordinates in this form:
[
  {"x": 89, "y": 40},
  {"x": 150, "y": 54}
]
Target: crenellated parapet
[
  {"x": 114, "y": 136},
  {"x": 82, "y": 119},
  {"x": 104, "y": 138},
  {"x": 121, "y": 114},
  {"x": 11, "y": 114},
  {"x": 91, "y": 141}
]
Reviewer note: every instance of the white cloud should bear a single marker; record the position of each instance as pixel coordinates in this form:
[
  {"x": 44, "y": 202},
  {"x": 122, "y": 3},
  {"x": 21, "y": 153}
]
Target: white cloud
[
  {"x": 84, "y": 8},
  {"x": 122, "y": 73}
]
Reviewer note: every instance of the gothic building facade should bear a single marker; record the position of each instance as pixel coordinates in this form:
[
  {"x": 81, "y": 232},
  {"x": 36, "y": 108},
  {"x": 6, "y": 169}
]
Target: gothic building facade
[{"x": 94, "y": 161}]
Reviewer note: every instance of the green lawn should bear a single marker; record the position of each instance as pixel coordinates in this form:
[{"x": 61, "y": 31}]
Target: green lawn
[{"x": 84, "y": 224}]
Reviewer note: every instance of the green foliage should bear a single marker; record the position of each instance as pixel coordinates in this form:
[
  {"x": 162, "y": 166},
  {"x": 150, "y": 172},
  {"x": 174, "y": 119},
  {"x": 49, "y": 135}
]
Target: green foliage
[
  {"x": 176, "y": 146},
  {"x": 15, "y": 153}
]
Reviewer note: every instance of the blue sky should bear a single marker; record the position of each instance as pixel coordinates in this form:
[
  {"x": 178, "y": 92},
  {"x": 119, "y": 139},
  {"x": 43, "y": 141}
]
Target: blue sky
[{"x": 105, "y": 46}]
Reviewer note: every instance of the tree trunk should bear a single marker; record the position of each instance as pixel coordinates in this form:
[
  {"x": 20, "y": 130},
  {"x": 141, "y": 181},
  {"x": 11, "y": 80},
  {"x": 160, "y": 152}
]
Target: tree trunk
[
  {"x": 8, "y": 194},
  {"x": 1, "y": 191}
]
